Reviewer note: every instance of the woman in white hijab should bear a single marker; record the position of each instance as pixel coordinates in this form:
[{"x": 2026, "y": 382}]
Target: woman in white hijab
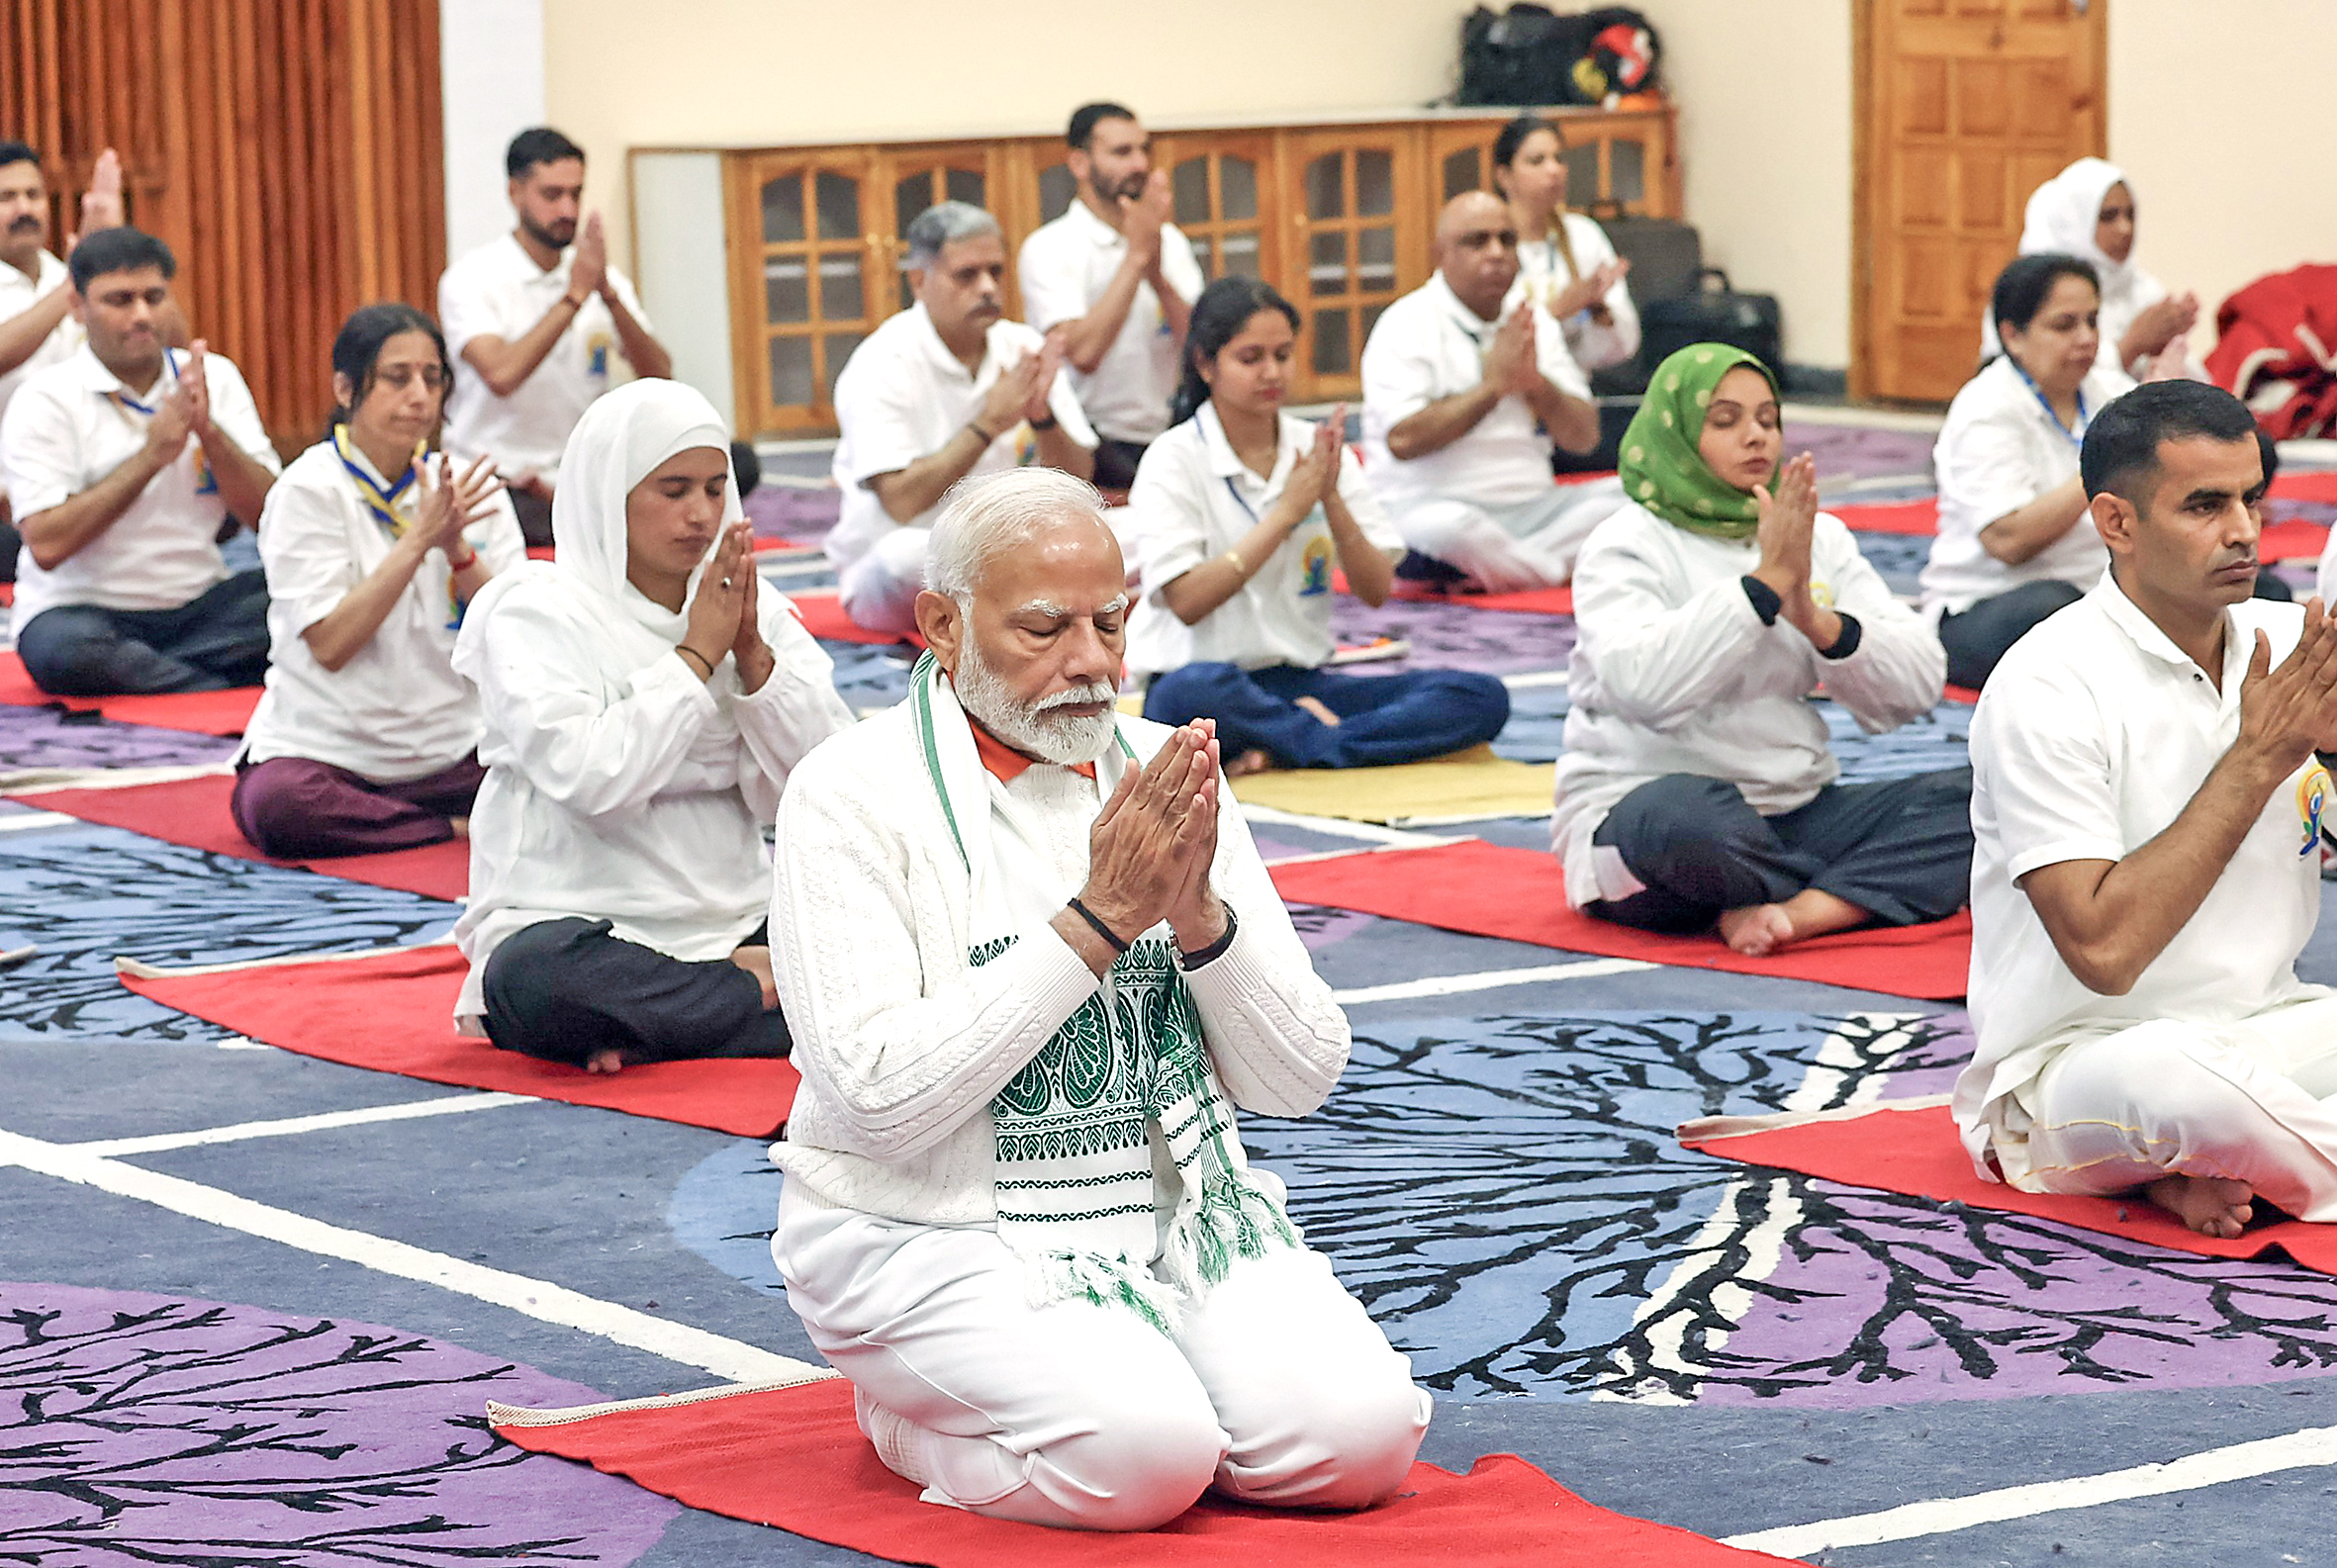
[
  {"x": 644, "y": 698},
  {"x": 2086, "y": 211}
]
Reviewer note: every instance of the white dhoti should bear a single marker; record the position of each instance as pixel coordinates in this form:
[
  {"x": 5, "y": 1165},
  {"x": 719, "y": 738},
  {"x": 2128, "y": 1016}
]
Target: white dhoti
[
  {"x": 1511, "y": 549},
  {"x": 879, "y": 588},
  {"x": 2254, "y": 1101},
  {"x": 1278, "y": 1389}
]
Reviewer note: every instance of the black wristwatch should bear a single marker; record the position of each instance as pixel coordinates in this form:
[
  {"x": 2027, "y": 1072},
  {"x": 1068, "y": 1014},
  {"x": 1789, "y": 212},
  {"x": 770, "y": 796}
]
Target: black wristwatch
[{"x": 1048, "y": 423}]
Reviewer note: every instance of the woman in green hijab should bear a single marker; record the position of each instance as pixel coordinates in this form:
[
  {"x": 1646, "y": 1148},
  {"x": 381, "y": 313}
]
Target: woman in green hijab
[{"x": 1697, "y": 789}]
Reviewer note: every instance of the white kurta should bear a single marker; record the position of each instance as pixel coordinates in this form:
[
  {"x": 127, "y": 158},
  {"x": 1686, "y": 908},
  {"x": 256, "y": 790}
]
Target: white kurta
[
  {"x": 1999, "y": 449},
  {"x": 619, "y": 785},
  {"x": 1543, "y": 272},
  {"x": 18, "y": 293},
  {"x": 2092, "y": 737},
  {"x": 1063, "y": 269},
  {"x": 1194, "y": 500},
  {"x": 1673, "y": 671},
  {"x": 395, "y": 710}
]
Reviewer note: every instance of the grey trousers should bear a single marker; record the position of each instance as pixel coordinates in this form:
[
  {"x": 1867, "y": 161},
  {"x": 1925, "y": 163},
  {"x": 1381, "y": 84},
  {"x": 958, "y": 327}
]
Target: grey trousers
[{"x": 562, "y": 990}]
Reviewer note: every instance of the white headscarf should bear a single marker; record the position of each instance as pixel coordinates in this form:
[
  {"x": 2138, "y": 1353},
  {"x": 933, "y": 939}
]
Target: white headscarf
[
  {"x": 2065, "y": 213},
  {"x": 620, "y": 440}
]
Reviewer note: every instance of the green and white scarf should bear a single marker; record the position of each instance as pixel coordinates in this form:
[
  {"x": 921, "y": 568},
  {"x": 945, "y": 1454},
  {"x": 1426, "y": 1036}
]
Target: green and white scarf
[
  {"x": 1074, "y": 1128},
  {"x": 1662, "y": 470}
]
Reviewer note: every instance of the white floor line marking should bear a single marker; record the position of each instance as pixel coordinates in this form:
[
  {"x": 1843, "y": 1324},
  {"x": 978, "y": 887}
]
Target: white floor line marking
[
  {"x": 1369, "y": 832},
  {"x": 1861, "y": 418},
  {"x": 1488, "y": 979},
  {"x": 535, "y": 1298},
  {"x": 1527, "y": 680},
  {"x": 114, "y": 779},
  {"x": 24, "y": 821},
  {"x": 292, "y": 1126},
  {"x": 2297, "y": 1450}
]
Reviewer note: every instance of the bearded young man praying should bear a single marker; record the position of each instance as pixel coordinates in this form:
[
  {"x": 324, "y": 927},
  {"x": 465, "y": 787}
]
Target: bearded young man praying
[{"x": 1033, "y": 962}]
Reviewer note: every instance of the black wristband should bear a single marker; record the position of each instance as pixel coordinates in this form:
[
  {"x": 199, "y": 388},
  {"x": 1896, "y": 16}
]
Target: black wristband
[
  {"x": 1048, "y": 423},
  {"x": 1765, "y": 601},
  {"x": 1101, "y": 930},
  {"x": 1190, "y": 962},
  {"x": 1847, "y": 643},
  {"x": 985, "y": 438},
  {"x": 2327, "y": 758}
]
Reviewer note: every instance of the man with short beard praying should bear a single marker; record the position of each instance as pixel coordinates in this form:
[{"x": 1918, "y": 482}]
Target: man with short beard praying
[{"x": 1032, "y": 961}]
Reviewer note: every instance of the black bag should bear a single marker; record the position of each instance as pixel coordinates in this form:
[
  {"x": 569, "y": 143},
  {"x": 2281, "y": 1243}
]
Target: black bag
[
  {"x": 1714, "y": 314},
  {"x": 1530, "y": 57},
  {"x": 1666, "y": 256}
]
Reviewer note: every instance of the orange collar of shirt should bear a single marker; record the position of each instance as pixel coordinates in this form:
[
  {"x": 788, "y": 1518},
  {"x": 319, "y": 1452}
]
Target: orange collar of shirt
[{"x": 1005, "y": 763}]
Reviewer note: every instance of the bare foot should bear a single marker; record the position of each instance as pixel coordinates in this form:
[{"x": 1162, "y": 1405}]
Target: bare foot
[
  {"x": 2210, "y": 1205},
  {"x": 462, "y": 826},
  {"x": 1314, "y": 705},
  {"x": 1756, "y": 930},
  {"x": 1249, "y": 762},
  {"x": 606, "y": 1060},
  {"x": 757, "y": 962}
]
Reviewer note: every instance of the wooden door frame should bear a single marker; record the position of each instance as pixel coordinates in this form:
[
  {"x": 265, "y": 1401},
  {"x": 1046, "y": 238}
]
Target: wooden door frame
[{"x": 1866, "y": 193}]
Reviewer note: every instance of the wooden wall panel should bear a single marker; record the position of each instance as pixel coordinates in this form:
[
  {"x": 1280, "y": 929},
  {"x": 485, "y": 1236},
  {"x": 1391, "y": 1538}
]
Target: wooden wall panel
[{"x": 288, "y": 150}]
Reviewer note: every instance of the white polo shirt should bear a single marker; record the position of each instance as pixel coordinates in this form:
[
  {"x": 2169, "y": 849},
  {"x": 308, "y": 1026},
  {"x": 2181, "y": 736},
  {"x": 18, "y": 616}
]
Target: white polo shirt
[
  {"x": 397, "y": 710},
  {"x": 70, "y": 426},
  {"x": 902, "y": 395},
  {"x": 2092, "y": 737},
  {"x": 1064, "y": 268},
  {"x": 2001, "y": 449},
  {"x": 1429, "y": 345},
  {"x": 1193, "y": 499},
  {"x": 497, "y": 291},
  {"x": 1543, "y": 272},
  {"x": 19, "y": 294}
]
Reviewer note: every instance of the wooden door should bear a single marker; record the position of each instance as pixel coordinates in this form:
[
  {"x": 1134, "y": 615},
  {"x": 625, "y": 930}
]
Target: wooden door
[
  {"x": 1460, "y": 159},
  {"x": 1223, "y": 190},
  {"x": 1359, "y": 224},
  {"x": 1965, "y": 107},
  {"x": 812, "y": 285}
]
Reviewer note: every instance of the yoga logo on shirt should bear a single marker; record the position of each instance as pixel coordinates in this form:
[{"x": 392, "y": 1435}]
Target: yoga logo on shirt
[
  {"x": 2312, "y": 804},
  {"x": 597, "y": 355},
  {"x": 1314, "y": 563},
  {"x": 1822, "y": 593}
]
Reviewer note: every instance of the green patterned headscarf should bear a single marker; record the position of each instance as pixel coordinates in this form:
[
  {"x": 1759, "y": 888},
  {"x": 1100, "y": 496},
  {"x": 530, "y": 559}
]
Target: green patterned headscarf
[{"x": 1662, "y": 470}]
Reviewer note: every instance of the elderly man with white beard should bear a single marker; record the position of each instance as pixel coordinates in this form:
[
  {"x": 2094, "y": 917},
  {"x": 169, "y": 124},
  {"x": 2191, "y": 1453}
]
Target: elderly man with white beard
[{"x": 1032, "y": 961}]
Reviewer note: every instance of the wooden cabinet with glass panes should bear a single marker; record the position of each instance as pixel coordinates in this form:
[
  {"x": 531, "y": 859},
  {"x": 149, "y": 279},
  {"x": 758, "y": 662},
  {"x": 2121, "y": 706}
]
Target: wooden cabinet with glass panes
[{"x": 1338, "y": 217}]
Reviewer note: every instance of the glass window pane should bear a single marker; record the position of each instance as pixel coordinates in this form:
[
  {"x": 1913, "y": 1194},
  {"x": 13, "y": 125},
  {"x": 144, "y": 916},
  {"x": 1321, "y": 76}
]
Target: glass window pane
[
  {"x": 1057, "y": 189},
  {"x": 1240, "y": 253},
  {"x": 1582, "y": 174},
  {"x": 1189, "y": 182},
  {"x": 1332, "y": 357},
  {"x": 909, "y": 198},
  {"x": 1237, "y": 188},
  {"x": 1205, "y": 252},
  {"x": 908, "y": 296},
  {"x": 836, "y": 347},
  {"x": 1627, "y": 167},
  {"x": 1370, "y": 319},
  {"x": 786, "y": 291},
  {"x": 1326, "y": 271},
  {"x": 1326, "y": 196},
  {"x": 1375, "y": 260},
  {"x": 782, "y": 210},
  {"x": 1460, "y": 172},
  {"x": 839, "y": 205},
  {"x": 839, "y": 285},
  {"x": 1375, "y": 183},
  {"x": 964, "y": 185},
  {"x": 790, "y": 372}
]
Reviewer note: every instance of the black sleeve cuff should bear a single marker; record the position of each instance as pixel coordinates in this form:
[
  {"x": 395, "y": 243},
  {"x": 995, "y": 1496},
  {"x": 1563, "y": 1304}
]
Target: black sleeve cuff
[
  {"x": 1847, "y": 643},
  {"x": 1765, "y": 601}
]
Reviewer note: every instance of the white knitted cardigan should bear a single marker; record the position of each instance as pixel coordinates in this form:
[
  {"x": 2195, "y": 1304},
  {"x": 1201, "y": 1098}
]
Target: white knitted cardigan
[{"x": 903, "y": 1044}]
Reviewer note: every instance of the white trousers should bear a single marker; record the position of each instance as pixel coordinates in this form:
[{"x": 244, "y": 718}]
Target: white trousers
[
  {"x": 879, "y": 591},
  {"x": 1278, "y": 1389},
  {"x": 2254, "y": 1101},
  {"x": 1510, "y": 549}
]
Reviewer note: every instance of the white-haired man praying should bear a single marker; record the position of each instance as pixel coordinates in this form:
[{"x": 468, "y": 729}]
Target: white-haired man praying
[{"x": 1032, "y": 961}]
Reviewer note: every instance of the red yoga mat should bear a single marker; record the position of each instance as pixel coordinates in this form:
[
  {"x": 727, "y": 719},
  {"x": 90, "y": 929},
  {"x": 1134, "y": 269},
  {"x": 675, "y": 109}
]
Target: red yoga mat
[
  {"x": 1917, "y": 1153},
  {"x": 823, "y": 615},
  {"x": 1916, "y": 518},
  {"x": 194, "y": 812},
  {"x": 792, "y": 1458},
  {"x": 394, "y": 1012},
  {"x": 2311, "y": 484},
  {"x": 1448, "y": 887},
  {"x": 2293, "y": 540},
  {"x": 1557, "y": 600},
  {"x": 200, "y": 712}
]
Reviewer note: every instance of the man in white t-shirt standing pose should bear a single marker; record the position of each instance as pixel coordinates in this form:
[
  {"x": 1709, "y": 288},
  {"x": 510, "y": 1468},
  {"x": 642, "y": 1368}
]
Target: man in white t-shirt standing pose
[
  {"x": 2150, "y": 791},
  {"x": 1121, "y": 280},
  {"x": 1462, "y": 402},
  {"x": 947, "y": 388},
  {"x": 123, "y": 460},
  {"x": 531, "y": 319},
  {"x": 36, "y": 325}
]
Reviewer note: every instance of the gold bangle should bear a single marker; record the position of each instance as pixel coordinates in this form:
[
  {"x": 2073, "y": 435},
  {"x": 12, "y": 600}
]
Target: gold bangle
[{"x": 1241, "y": 566}]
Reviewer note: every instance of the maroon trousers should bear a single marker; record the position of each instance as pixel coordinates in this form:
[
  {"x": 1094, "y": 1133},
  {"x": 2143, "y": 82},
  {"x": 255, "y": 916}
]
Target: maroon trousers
[{"x": 295, "y": 808}]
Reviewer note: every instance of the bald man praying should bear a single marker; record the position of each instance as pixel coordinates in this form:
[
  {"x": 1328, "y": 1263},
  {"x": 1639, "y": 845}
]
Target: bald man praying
[{"x": 1462, "y": 402}]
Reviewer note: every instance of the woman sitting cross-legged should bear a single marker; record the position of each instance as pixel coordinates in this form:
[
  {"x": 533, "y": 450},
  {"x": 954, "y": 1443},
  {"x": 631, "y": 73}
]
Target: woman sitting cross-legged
[
  {"x": 1697, "y": 788},
  {"x": 1239, "y": 513},
  {"x": 644, "y": 700},
  {"x": 366, "y": 740}
]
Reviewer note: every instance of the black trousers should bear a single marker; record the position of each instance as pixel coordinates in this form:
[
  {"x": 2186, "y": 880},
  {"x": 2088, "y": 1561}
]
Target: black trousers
[
  {"x": 215, "y": 640},
  {"x": 1900, "y": 849},
  {"x": 563, "y": 990},
  {"x": 535, "y": 517}
]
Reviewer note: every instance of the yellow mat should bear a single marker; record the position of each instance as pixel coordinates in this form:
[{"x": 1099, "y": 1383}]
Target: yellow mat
[{"x": 1466, "y": 784}]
